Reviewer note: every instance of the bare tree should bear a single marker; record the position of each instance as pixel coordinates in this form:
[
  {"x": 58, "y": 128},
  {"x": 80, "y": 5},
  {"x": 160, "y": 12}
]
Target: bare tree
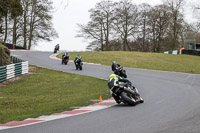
[
  {"x": 1, "y": 17},
  {"x": 5, "y": 9},
  {"x": 28, "y": 21},
  {"x": 196, "y": 10},
  {"x": 100, "y": 26},
  {"x": 144, "y": 28},
  {"x": 16, "y": 11},
  {"x": 159, "y": 23},
  {"x": 176, "y": 21},
  {"x": 25, "y": 21},
  {"x": 126, "y": 21},
  {"x": 126, "y": 26},
  {"x": 40, "y": 25},
  {"x": 93, "y": 32}
]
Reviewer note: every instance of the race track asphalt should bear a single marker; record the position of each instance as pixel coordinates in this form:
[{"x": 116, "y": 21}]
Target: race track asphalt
[{"x": 172, "y": 102}]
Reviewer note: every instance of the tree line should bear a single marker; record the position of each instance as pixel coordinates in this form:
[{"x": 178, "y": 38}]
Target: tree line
[
  {"x": 26, "y": 22},
  {"x": 126, "y": 26}
]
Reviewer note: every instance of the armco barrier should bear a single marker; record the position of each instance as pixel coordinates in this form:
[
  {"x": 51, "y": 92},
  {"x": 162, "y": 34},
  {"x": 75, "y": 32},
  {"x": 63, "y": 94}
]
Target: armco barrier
[
  {"x": 191, "y": 52},
  {"x": 11, "y": 46},
  {"x": 184, "y": 51},
  {"x": 13, "y": 70},
  {"x": 15, "y": 59}
]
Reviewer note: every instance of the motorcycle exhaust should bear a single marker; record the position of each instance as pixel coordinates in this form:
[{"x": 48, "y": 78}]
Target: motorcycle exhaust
[{"x": 129, "y": 90}]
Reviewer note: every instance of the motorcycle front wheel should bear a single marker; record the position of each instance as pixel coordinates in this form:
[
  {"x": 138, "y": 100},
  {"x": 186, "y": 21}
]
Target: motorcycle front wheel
[
  {"x": 128, "y": 99},
  {"x": 76, "y": 67}
]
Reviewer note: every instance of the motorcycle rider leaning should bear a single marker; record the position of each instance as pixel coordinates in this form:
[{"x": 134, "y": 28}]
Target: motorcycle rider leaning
[
  {"x": 78, "y": 58},
  {"x": 65, "y": 54},
  {"x": 113, "y": 84}
]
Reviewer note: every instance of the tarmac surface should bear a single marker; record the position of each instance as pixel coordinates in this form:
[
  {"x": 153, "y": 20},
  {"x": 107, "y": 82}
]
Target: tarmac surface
[{"x": 172, "y": 102}]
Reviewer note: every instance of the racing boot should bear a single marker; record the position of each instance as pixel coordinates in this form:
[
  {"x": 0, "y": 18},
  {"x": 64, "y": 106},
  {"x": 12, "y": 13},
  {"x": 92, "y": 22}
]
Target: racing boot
[{"x": 117, "y": 99}]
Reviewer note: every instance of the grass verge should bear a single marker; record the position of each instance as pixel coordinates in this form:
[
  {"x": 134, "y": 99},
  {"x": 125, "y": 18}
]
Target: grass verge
[
  {"x": 153, "y": 61},
  {"x": 46, "y": 92}
]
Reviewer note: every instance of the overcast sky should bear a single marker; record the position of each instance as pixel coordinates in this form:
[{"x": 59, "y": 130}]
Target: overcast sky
[{"x": 68, "y": 13}]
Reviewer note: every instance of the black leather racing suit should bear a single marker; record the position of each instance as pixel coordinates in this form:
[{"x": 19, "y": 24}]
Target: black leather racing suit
[{"x": 113, "y": 87}]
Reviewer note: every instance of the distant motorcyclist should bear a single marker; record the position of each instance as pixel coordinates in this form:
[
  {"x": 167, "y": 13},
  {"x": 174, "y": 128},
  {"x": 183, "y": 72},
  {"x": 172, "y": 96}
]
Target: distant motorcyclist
[
  {"x": 113, "y": 84},
  {"x": 66, "y": 54},
  {"x": 65, "y": 58},
  {"x": 57, "y": 47},
  {"x": 78, "y": 59},
  {"x": 118, "y": 70},
  {"x": 78, "y": 62}
]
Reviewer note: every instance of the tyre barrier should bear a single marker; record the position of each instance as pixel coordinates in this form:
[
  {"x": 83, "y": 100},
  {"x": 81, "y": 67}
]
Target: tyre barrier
[
  {"x": 13, "y": 70},
  {"x": 177, "y": 52}
]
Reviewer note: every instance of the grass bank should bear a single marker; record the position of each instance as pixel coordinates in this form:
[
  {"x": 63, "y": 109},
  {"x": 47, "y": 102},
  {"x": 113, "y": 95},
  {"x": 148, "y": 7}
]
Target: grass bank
[
  {"x": 46, "y": 92},
  {"x": 4, "y": 55},
  {"x": 154, "y": 61}
]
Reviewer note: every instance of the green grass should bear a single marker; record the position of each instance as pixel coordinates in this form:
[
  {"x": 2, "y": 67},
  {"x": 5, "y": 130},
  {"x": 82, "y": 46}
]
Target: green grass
[
  {"x": 47, "y": 92},
  {"x": 154, "y": 61}
]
